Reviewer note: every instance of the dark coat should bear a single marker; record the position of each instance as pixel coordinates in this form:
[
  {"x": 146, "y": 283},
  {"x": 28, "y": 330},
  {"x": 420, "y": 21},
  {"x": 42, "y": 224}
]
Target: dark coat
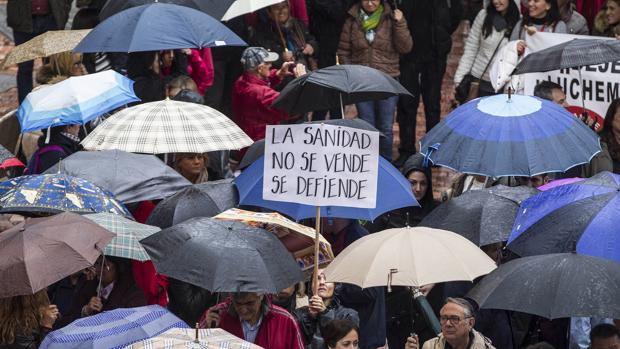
[
  {"x": 50, "y": 158},
  {"x": 31, "y": 341},
  {"x": 19, "y": 17},
  {"x": 148, "y": 86},
  {"x": 326, "y": 20},
  {"x": 266, "y": 35},
  {"x": 311, "y": 327},
  {"x": 370, "y": 306}
]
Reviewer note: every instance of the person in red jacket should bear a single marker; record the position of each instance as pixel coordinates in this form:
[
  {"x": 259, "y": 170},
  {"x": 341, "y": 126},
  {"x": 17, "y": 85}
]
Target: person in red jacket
[
  {"x": 252, "y": 317},
  {"x": 254, "y": 91}
]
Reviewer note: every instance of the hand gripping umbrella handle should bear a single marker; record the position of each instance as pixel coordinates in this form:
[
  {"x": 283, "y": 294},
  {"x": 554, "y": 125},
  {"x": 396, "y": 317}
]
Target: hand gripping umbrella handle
[{"x": 427, "y": 312}]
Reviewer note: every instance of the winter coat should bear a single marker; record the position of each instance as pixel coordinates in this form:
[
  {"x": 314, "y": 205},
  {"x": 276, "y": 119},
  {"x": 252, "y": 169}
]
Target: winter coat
[
  {"x": 19, "y": 17},
  {"x": 266, "y": 35},
  {"x": 518, "y": 33},
  {"x": 479, "y": 342},
  {"x": 392, "y": 39},
  {"x": 370, "y": 306},
  {"x": 200, "y": 68},
  {"x": 31, "y": 341},
  {"x": 328, "y": 17},
  {"x": 251, "y": 99},
  {"x": 149, "y": 86},
  {"x": 311, "y": 327},
  {"x": 50, "y": 158},
  {"x": 577, "y": 24}
]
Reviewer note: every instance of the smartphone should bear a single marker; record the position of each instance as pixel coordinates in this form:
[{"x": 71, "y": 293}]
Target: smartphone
[{"x": 291, "y": 67}]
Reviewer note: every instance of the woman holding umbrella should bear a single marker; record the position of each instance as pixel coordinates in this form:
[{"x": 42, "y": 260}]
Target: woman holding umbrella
[
  {"x": 26, "y": 320},
  {"x": 375, "y": 36}
]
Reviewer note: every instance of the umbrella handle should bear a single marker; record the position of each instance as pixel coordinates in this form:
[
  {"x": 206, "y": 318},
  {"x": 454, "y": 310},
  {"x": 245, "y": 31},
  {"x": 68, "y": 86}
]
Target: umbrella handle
[{"x": 427, "y": 311}]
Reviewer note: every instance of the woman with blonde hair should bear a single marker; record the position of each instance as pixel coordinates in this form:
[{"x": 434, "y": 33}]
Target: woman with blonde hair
[
  {"x": 61, "y": 66},
  {"x": 26, "y": 320},
  {"x": 607, "y": 20},
  {"x": 192, "y": 166}
]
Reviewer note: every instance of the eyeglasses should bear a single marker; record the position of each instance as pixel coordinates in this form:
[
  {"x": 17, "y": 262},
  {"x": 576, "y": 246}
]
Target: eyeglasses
[{"x": 452, "y": 319}]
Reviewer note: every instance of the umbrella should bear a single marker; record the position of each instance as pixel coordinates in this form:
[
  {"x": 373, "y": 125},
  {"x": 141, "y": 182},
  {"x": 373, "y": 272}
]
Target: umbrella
[
  {"x": 553, "y": 286},
  {"x": 40, "y": 251},
  {"x": 242, "y": 7},
  {"x": 131, "y": 177},
  {"x": 335, "y": 86},
  {"x": 113, "y": 329},
  {"x": 506, "y": 135},
  {"x": 298, "y": 239},
  {"x": 155, "y": 27},
  {"x": 223, "y": 256},
  {"x": 199, "y": 200},
  {"x": 570, "y": 54},
  {"x": 76, "y": 100},
  {"x": 213, "y": 338},
  {"x": 482, "y": 216},
  {"x": 7, "y": 159},
  {"x": 214, "y": 8},
  {"x": 558, "y": 182},
  {"x": 46, "y": 44},
  {"x": 585, "y": 213},
  {"x": 167, "y": 127},
  {"x": 128, "y": 233},
  {"x": 409, "y": 257},
  {"x": 393, "y": 191},
  {"x": 55, "y": 193}
]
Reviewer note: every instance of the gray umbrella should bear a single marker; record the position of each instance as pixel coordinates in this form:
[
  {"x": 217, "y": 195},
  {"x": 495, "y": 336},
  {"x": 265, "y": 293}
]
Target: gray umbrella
[
  {"x": 553, "y": 286},
  {"x": 131, "y": 177},
  {"x": 199, "y": 200},
  {"x": 482, "y": 216},
  {"x": 223, "y": 256}
]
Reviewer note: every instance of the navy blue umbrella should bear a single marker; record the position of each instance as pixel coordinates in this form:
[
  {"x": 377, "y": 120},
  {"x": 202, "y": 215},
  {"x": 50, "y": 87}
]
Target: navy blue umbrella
[
  {"x": 584, "y": 213},
  {"x": 155, "y": 27},
  {"x": 506, "y": 135}
]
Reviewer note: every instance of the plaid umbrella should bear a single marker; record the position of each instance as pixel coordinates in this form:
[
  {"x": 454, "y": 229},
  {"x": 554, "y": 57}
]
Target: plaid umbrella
[
  {"x": 128, "y": 232},
  {"x": 213, "y": 338},
  {"x": 55, "y": 193},
  {"x": 7, "y": 159},
  {"x": 46, "y": 44},
  {"x": 167, "y": 127}
]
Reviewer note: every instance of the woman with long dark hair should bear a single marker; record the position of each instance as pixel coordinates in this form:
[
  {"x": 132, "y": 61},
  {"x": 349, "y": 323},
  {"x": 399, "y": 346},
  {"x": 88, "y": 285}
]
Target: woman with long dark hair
[
  {"x": 541, "y": 16},
  {"x": 25, "y": 320},
  {"x": 611, "y": 133}
]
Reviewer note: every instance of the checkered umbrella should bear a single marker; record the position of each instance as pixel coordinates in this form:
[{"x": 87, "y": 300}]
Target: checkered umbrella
[
  {"x": 167, "y": 127},
  {"x": 213, "y": 338},
  {"x": 128, "y": 233}
]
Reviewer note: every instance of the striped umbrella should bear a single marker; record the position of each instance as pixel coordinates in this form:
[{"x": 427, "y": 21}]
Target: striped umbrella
[
  {"x": 128, "y": 233},
  {"x": 167, "y": 127},
  {"x": 213, "y": 338}
]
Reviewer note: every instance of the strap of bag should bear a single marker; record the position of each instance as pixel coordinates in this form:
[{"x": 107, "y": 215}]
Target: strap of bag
[{"x": 491, "y": 59}]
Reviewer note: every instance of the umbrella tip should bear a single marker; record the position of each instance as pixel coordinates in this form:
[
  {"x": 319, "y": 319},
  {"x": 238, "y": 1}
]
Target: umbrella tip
[
  {"x": 509, "y": 93},
  {"x": 197, "y": 340}
]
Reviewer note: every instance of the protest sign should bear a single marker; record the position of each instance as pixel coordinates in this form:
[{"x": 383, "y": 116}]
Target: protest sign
[
  {"x": 598, "y": 87},
  {"x": 321, "y": 165}
]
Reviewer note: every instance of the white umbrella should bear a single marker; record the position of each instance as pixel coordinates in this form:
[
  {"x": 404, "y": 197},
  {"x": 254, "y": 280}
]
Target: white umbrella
[{"x": 242, "y": 7}]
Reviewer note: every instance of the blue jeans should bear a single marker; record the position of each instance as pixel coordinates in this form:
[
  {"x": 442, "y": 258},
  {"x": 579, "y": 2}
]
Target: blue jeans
[{"x": 380, "y": 114}]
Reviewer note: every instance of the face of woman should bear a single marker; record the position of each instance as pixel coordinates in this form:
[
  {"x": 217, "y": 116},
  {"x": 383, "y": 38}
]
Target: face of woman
[
  {"x": 613, "y": 12},
  {"x": 419, "y": 184},
  {"x": 501, "y": 6},
  {"x": 350, "y": 341},
  {"x": 370, "y": 6},
  {"x": 279, "y": 12},
  {"x": 538, "y": 8},
  {"x": 192, "y": 165}
]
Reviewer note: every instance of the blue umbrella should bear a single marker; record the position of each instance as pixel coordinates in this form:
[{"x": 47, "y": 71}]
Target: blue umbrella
[
  {"x": 76, "y": 100},
  {"x": 507, "y": 135},
  {"x": 584, "y": 215},
  {"x": 155, "y": 27},
  {"x": 55, "y": 193},
  {"x": 393, "y": 191},
  {"x": 113, "y": 329}
]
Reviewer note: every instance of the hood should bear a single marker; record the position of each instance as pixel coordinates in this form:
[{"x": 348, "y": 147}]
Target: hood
[{"x": 416, "y": 163}]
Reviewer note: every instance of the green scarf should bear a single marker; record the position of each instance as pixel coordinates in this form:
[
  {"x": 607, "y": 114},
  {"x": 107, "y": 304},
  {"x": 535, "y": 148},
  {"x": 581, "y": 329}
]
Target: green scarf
[{"x": 370, "y": 22}]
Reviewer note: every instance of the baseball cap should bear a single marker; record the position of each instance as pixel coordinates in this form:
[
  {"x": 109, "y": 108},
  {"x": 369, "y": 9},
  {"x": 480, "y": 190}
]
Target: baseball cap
[{"x": 253, "y": 56}]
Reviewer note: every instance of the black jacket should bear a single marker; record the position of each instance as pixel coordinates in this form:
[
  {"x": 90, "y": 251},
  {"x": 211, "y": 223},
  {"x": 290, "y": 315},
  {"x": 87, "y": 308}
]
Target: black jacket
[
  {"x": 370, "y": 306},
  {"x": 148, "y": 86},
  {"x": 326, "y": 20},
  {"x": 311, "y": 327},
  {"x": 19, "y": 17},
  {"x": 50, "y": 158},
  {"x": 31, "y": 341}
]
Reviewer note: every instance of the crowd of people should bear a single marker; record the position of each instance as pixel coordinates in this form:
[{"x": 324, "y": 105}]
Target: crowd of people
[{"x": 408, "y": 40}]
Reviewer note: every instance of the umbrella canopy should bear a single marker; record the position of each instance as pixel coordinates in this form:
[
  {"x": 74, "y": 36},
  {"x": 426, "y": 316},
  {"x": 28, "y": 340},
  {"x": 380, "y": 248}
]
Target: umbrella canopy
[
  {"x": 223, "y": 256},
  {"x": 46, "y": 44},
  {"x": 505, "y": 135},
  {"x": 214, "y": 8},
  {"x": 55, "y": 193},
  {"x": 180, "y": 338},
  {"x": 482, "y": 216},
  {"x": 131, "y": 177},
  {"x": 40, "y": 251},
  {"x": 76, "y": 100},
  {"x": 7, "y": 159},
  {"x": 337, "y": 85},
  {"x": 199, "y": 200},
  {"x": 298, "y": 239},
  {"x": 553, "y": 286},
  {"x": 393, "y": 191},
  {"x": 113, "y": 329},
  {"x": 558, "y": 182},
  {"x": 167, "y": 127},
  {"x": 570, "y": 54},
  {"x": 242, "y": 7},
  {"x": 584, "y": 213},
  {"x": 128, "y": 233},
  {"x": 155, "y": 27},
  {"x": 409, "y": 257}
]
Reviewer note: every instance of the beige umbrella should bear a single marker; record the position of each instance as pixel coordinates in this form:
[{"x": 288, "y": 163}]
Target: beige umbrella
[
  {"x": 409, "y": 257},
  {"x": 46, "y": 44},
  {"x": 186, "y": 338}
]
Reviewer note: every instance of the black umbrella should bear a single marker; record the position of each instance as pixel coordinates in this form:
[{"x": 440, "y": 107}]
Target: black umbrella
[
  {"x": 223, "y": 256},
  {"x": 130, "y": 177},
  {"x": 199, "y": 200},
  {"x": 553, "y": 286},
  {"x": 570, "y": 54},
  {"x": 335, "y": 86},
  {"x": 482, "y": 216},
  {"x": 214, "y": 8}
]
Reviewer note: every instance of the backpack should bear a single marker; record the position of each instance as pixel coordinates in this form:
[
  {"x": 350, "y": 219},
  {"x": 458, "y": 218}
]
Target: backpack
[{"x": 35, "y": 160}]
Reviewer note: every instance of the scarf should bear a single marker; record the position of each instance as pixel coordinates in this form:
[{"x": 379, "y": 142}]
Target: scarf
[
  {"x": 370, "y": 22},
  {"x": 72, "y": 137}
]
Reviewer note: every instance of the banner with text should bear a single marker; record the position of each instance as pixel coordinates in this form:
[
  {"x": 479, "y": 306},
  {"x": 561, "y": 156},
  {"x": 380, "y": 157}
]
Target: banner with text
[
  {"x": 321, "y": 165},
  {"x": 599, "y": 84}
]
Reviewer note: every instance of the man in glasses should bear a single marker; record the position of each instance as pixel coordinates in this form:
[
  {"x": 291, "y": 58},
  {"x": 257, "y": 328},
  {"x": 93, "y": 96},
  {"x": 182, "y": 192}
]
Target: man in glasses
[{"x": 457, "y": 329}]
